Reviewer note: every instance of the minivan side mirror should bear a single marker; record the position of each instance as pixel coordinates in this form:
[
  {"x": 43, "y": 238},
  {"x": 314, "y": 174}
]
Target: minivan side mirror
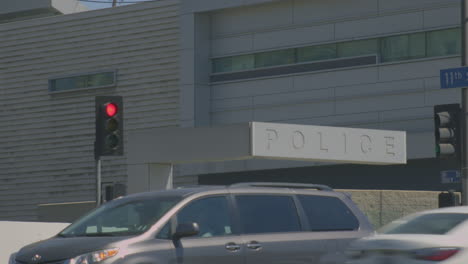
[{"x": 186, "y": 230}]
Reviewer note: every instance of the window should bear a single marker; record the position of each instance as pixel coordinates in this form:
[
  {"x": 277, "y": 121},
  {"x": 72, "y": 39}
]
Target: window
[
  {"x": 273, "y": 58},
  {"x": 443, "y": 42},
  {"x": 211, "y": 214},
  {"x": 101, "y": 79},
  {"x": 390, "y": 49},
  {"x": 236, "y": 63},
  {"x": 116, "y": 219},
  {"x": 358, "y": 48},
  {"x": 267, "y": 214},
  {"x": 243, "y": 62},
  {"x": 403, "y": 47},
  {"x": 314, "y": 53},
  {"x": 165, "y": 232},
  {"x": 328, "y": 213},
  {"x": 222, "y": 65}
]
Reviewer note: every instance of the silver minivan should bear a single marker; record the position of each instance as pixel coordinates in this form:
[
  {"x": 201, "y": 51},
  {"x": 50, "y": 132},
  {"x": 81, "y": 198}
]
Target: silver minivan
[{"x": 248, "y": 223}]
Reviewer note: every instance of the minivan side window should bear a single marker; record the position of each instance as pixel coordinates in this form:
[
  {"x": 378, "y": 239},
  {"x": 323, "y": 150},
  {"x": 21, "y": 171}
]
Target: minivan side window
[
  {"x": 211, "y": 214},
  {"x": 267, "y": 214},
  {"x": 326, "y": 213}
]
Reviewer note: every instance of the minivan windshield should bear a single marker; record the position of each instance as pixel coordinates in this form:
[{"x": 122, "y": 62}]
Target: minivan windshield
[
  {"x": 429, "y": 224},
  {"x": 118, "y": 218}
]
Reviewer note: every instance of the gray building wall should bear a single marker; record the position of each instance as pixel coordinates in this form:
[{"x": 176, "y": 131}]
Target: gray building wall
[
  {"x": 29, "y": 9},
  {"x": 162, "y": 53},
  {"x": 396, "y": 95},
  {"x": 46, "y": 139}
]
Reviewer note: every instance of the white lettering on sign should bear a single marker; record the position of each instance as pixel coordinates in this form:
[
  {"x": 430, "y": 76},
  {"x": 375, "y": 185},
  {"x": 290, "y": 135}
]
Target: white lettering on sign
[
  {"x": 272, "y": 135},
  {"x": 345, "y": 144},
  {"x": 298, "y": 140},
  {"x": 452, "y": 77},
  {"x": 390, "y": 145},
  {"x": 366, "y": 144},
  {"x": 320, "y": 143}
]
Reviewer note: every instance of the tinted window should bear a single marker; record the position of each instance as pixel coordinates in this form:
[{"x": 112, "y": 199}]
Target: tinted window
[
  {"x": 443, "y": 42},
  {"x": 211, "y": 214},
  {"x": 274, "y": 58},
  {"x": 236, "y": 63},
  {"x": 319, "y": 52},
  {"x": 267, "y": 214},
  {"x": 392, "y": 48},
  {"x": 403, "y": 47},
  {"x": 358, "y": 48},
  {"x": 83, "y": 81},
  {"x": 328, "y": 213},
  {"x": 436, "y": 224}
]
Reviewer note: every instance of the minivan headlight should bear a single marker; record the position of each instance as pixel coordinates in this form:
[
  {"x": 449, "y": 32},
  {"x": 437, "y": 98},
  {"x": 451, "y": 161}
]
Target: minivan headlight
[{"x": 94, "y": 257}]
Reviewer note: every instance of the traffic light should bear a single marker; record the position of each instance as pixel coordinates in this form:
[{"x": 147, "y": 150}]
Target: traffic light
[
  {"x": 447, "y": 199},
  {"x": 109, "y": 126},
  {"x": 114, "y": 190},
  {"x": 447, "y": 131}
]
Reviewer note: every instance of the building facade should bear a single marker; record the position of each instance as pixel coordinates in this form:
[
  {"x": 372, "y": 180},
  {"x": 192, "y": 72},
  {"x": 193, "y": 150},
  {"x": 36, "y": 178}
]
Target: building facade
[{"x": 186, "y": 63}]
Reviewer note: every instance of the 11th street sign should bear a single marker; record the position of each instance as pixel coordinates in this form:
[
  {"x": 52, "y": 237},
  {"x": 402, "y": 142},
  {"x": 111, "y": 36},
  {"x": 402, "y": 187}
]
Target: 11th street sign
[{"x": 454, "y": 78}]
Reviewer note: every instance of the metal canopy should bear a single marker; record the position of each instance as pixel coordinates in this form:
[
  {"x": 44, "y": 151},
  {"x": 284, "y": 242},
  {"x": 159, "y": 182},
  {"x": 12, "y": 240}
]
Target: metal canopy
[{"x": 267, "y": 140}]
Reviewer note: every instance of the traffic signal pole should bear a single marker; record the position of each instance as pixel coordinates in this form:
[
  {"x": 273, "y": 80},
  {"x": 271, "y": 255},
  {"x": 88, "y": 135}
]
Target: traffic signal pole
[
  {"x": 109, "y": 134},
  {"x": 98, "y": 182},
  {"x": 464, "y": 121}
]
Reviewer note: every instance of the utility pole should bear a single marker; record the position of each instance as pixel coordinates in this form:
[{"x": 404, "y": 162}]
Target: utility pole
[{"x": 464, "y": 121}]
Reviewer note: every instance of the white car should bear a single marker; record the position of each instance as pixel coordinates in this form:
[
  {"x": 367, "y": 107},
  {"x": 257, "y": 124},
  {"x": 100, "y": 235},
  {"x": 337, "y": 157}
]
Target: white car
[{"x": 435, "y": 236}]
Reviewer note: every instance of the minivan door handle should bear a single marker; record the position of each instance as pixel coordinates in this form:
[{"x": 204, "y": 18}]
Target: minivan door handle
[
  {"x": 232, "y": 246},
  {"x": 254, "y": 245}
]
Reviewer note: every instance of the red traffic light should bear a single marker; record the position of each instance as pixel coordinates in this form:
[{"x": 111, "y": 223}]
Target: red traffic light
[
  {"x": 111, "y": 109},
  {"x": 109, "y": 126}
]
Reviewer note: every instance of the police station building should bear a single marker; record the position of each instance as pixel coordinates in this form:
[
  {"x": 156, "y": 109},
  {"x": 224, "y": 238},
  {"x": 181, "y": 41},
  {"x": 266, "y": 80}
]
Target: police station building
[{"x": 367, "y": 64}]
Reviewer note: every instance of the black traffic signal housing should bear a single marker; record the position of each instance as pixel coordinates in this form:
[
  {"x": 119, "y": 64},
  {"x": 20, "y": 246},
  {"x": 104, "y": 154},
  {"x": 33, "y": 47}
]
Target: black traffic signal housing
[
  {"x": 109, "y": 126},
  {"x": 447, "y": 199},
  {"x": 114, "y": 190},
  {"x": 447, "y": 120}
]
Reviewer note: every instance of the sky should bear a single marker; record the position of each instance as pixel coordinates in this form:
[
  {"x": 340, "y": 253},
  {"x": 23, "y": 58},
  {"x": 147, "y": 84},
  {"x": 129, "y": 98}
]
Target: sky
[{"x": 107, "y": 3}]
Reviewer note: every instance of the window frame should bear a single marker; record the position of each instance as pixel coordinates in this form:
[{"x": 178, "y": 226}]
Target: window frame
[{"x": 54, "y": 78}]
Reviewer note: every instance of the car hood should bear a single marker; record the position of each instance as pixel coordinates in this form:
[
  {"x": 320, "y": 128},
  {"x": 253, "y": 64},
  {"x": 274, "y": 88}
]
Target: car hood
[
  {"x": 403, "y": 242},
  {"x": 61, "y": 248}
]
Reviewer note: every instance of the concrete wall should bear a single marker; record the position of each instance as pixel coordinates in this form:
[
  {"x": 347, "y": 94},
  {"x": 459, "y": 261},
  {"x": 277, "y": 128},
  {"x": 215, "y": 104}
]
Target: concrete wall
[
  {"x": 15, "y": 235},
  {"x": 384, "y": 206},
  {"x": 64, "y": 212},
  {"x": 289, "y": 23}
]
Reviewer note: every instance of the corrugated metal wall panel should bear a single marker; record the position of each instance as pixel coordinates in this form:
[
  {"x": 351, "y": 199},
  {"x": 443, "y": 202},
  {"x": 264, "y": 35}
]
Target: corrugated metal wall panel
[{"x": 46, "y": 139}]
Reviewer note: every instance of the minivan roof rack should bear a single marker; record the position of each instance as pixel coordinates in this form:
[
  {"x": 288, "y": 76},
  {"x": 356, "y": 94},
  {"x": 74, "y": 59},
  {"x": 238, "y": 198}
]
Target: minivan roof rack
[{"x": 319, "y": 187}]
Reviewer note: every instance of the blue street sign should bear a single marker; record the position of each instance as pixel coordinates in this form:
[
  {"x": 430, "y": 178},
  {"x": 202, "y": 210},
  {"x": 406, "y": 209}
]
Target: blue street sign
[
  {"x": 450, "y": 176},
  {"x": 454, "y": 78}
]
